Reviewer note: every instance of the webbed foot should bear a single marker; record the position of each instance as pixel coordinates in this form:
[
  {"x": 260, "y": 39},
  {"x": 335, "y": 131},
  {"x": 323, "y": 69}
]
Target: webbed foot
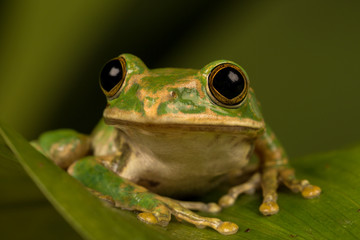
[
  {"x": 181, "y": 213},
  {"x": 270, "y": 179},
  {"x": 161, "y": 208},
  {"x": 287, "y": 176}
]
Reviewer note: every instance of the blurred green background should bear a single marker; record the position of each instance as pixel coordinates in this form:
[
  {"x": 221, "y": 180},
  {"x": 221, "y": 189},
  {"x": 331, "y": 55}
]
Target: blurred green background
[{"x": 302, "y": 58}]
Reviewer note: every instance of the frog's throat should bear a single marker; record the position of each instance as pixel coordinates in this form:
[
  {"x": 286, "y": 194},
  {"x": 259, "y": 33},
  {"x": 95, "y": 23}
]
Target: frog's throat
[{"x": 256, "y": 128}]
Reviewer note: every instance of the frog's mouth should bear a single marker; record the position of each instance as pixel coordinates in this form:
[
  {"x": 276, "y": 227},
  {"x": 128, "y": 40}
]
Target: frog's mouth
[
  {"x": 254, "y": 128},
  {"x": 207, "y": 121}
]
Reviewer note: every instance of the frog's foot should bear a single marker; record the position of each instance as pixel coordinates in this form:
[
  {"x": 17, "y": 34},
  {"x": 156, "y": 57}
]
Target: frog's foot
[
  {"x": 200, "y": 206},
  {"x": 158, "y": 215},
  {"x": 247, "y": 187},
  {"x": 161, "y": 215},
  {"x": 269, "y": 205},
  {"x": 182, "y": 213},
  {"x": 269, "y": 183},
  {"x": 160, "y": 212},
  {"x": 287, "y": 176}
]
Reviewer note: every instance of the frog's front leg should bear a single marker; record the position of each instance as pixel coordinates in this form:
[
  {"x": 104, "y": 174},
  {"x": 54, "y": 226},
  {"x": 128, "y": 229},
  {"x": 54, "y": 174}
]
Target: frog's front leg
[
  {"x": 248, "y": 187},
  {"x": 125, "y": 194},
  {"x": 274, "y": 167},
  {"x": 63, "y": 146}
]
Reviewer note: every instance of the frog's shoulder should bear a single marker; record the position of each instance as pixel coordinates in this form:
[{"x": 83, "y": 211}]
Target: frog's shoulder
[
  {"x": 101, "y": 127},
  {"x": 104, "y": 139}
]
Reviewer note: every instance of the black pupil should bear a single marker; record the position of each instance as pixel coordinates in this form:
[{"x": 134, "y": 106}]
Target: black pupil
[
  {"x": 111, "y": 75},
  {"x": 229, "y": 82}
]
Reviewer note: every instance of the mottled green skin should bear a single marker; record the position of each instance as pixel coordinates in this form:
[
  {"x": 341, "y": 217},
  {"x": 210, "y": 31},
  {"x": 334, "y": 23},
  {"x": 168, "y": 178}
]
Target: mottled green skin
[
  {"x": 188, "y": 101},
  {"x": 65, "y": 136},
  {"x": 63, "y": 146}
]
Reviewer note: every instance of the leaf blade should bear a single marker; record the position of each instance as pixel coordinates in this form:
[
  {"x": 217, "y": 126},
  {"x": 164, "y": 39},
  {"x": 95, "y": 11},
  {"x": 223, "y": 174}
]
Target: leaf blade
[{"x": 76, "y": 204}]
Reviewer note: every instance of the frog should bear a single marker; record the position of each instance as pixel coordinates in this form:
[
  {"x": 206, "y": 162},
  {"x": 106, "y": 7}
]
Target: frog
[{"x": 171, "y": 133}]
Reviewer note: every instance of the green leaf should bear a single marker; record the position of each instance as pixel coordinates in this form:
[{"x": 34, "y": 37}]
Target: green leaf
[
  {"x": 83, "y": 211},
  {"x": 336, "y": 214},
  {"x": 23, "y": 207}
]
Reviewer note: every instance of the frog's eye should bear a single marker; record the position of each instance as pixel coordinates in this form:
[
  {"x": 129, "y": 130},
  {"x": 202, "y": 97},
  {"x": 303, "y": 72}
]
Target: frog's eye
[
  {"x": 228, "y": 84},
  {"x": 112, "y": 76}
]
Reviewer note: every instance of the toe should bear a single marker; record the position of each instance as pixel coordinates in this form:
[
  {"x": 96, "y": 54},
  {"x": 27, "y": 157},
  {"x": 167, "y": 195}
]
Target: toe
[
  {"x": 226, "y": 201},
  {"x": 147, "y": 217},
  {"x": 159, "y": 215},
  {"x": 227, "y": 228},
  {"x": 311, "y": 191},
  {"x": 269, "y": 208},
  {"x": 213, "y": 208},
  {"x": 162, "y": 215}
]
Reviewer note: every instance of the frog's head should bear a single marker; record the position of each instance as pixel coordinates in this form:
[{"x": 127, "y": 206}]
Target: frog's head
[{"x": 215, "y": 98}]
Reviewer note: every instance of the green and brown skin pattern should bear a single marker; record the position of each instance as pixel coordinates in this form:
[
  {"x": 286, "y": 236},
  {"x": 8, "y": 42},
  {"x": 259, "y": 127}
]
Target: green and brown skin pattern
[{"x": 164, "y": 135}]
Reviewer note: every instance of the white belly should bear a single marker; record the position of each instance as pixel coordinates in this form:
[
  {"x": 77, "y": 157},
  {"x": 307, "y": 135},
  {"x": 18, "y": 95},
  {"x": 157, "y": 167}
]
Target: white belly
[{"x": 179, "y": 162}]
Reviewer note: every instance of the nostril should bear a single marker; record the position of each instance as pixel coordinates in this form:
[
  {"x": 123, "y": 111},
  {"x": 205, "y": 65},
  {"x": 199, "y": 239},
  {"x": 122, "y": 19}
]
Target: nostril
[{"x": 173, "y": 94}]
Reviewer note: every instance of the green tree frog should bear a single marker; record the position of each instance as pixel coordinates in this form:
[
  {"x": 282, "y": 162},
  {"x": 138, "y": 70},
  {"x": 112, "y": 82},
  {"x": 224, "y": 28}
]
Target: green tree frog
[{"x": 168, "y": 133}]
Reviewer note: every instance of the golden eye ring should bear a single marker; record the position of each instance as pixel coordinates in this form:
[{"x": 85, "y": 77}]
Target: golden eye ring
[
  {"x": 228, "y": 85},
  {"x": 112, "y": 76}
]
